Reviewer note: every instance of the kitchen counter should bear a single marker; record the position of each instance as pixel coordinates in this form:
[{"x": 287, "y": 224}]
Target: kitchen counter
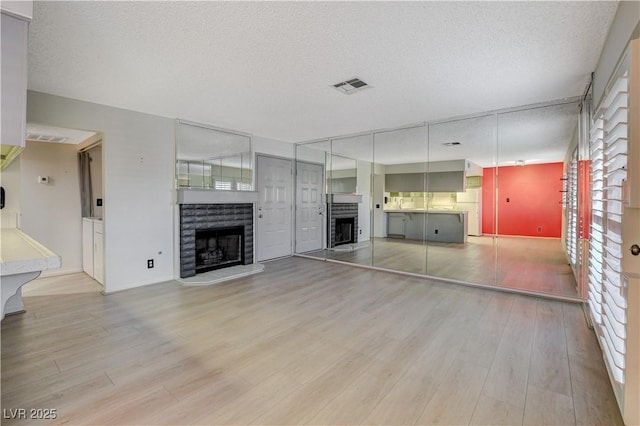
[
  {"x": 449, "y": 226},
  {"x": 22, "y": 259}
]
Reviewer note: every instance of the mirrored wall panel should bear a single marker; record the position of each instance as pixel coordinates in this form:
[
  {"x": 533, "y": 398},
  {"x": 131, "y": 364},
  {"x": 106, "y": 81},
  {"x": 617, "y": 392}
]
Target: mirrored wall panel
[
  {"x": 400, "y": 181},
  {"x": 460, "y": 188},
  {"x": 532, "y": 198},
  {"x": 488, "y": 199},
  {"x": 209, "y": 158},
  {"x": 349, "y": 199}
]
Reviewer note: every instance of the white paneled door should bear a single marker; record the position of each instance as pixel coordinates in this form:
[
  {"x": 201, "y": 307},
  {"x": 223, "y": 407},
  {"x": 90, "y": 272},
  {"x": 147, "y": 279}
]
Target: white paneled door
[
  {"x": 310, "y": 208},
  {"x": 274, "y": 208}
]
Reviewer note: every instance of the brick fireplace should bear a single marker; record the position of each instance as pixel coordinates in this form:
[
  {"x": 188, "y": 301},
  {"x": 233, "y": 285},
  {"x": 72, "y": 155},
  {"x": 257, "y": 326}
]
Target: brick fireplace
[
  {"x": 343, "y": 226},
  {"x": 214, "y": 236}
]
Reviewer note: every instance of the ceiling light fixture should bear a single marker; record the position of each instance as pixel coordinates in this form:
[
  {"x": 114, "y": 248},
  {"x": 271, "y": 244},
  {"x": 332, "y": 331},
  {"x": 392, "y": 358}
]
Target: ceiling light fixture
[
  {"x": 350, "y": 86},
  {"x": 520, "y": 162}
]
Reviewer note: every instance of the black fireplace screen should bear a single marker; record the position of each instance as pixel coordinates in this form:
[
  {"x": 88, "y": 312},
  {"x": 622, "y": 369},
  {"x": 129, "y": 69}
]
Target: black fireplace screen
[
  {"x": 345, "y": 231},
  {"x": 219, "y": 248}
]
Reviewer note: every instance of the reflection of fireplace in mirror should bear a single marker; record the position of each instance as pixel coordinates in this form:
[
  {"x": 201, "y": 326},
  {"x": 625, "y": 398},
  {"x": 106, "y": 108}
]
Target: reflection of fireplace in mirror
[
  {"x": 345, "y": 231},
  {"x": 219, "y": 248}
]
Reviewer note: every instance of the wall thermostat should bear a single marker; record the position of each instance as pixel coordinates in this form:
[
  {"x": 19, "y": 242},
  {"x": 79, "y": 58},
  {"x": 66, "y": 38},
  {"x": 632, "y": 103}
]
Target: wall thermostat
[{"x": 43, "y": 179}]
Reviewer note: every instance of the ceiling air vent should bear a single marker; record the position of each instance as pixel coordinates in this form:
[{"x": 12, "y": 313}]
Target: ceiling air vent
[
  {"x": 45, "y": 138},
  {"x": 451, "y": 144},
  {"x": 351, "y": 86}
]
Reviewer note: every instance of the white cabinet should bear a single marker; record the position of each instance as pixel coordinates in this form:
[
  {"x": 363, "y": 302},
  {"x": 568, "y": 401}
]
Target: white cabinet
[
  {"x": 98, "y": 251},
  {"x": 93, "y": 248},
  {"x": 87, "y": 245},
  {"x": 14, "y": 79},
  {"x": 14, "y": 86}
]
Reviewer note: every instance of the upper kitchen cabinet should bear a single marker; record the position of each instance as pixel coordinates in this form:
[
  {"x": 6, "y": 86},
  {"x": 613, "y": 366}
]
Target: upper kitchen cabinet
[
  {"x": 441, "y": 176},
  {"x": 446, "y": 182},
  {"x": 14, "y": 85},
  {"x": 404, "y": 182}
]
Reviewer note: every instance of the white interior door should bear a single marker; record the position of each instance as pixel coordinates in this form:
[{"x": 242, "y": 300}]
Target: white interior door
[
  {"x": 310, "y": 208},
  {"x": 274, "y": 215}
]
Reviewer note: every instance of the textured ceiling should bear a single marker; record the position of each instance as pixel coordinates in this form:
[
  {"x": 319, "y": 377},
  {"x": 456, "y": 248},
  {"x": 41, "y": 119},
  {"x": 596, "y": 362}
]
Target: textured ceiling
[{"x": 266, "y": 67}]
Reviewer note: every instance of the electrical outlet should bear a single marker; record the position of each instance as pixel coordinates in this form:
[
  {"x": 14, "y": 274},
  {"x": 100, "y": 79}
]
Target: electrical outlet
[
  {"x": 149, "y": 263},
  {"x": 539, "y": 229},
  {"x": 360, "y": 231},
  {"x": 99, "y": 202}
]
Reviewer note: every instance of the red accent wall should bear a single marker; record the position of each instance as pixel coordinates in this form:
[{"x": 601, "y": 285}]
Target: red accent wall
[{"x": 534, "y": 196}]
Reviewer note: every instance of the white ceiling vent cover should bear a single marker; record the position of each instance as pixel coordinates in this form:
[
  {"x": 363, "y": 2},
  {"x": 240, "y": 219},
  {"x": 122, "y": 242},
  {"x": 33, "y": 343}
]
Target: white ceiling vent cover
[
  {"x": 45, "y": 138},
  {"x": 351, "y": 86}
]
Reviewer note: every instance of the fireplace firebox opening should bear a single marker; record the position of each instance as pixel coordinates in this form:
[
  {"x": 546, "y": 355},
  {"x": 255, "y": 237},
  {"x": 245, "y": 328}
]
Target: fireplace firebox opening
[
  {"x": 219, "y": 248},
  {"x": 345, "y": 231}
]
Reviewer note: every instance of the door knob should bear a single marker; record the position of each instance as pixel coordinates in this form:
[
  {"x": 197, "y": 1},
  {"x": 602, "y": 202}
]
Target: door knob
[{"x": 635, "y": 249}]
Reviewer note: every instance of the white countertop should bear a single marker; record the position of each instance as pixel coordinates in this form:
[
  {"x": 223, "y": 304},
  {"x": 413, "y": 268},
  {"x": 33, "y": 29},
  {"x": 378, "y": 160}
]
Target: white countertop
[
  {"x": 426, "y": 211},
  {"x": 19, "y": 253}
]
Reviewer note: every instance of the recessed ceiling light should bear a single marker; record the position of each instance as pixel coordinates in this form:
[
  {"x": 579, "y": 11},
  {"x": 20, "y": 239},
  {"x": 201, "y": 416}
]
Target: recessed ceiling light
[
  {"x": 350, "y": 86},
  {"x": 451, "y": 144}
]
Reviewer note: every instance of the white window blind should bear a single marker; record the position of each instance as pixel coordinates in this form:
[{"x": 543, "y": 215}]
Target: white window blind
[
  {"x": 597, "y": 220},
  {"x": 223, "y": 185},
  {"x": 607, "y": 289},
  {"x": 571, "y": 203}
]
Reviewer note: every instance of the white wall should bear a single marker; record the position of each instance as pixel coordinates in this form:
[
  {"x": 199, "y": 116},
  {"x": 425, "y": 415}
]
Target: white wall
[
  {"x": 51, "y": 212},
  {"x": 19, "y": 7},
  {"x": 138, "y": 160},
  {"x": 10, "y": 181},
  {"x": 273, "y": 147}
]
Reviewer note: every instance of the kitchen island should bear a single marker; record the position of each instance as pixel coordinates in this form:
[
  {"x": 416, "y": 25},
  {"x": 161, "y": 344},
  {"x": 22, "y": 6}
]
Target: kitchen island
[
  {"x": 448, "y": 226},
  {"x": 22, "y": 259}
]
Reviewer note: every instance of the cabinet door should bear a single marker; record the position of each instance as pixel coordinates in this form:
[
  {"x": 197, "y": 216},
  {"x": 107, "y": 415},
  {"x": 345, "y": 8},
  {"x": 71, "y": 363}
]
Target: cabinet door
[
  {"x": 446, "y": 182},
  {"x": 414, "y": 226},
  {"x": 98, "y": 257},
  {"x": 395, "y": 225},
  {"x": 14, "y": 79},
  {"x": 404, "y": 182},
  {"x": 87, "y": 246}
]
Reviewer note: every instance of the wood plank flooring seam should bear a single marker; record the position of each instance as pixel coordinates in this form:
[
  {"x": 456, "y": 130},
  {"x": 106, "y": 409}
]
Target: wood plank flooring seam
[
  {"x": 511, "y": 307},
  {"x": 566, "y": 346}
]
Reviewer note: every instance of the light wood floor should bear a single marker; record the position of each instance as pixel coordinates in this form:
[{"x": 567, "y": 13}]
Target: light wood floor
[
  {"x": 304, "y": 342},
  {"x": 532, "y": 264}
]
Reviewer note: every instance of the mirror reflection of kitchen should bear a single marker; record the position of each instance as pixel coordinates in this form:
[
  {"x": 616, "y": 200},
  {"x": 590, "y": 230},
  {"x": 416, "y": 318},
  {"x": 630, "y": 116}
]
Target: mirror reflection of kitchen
[{"x": 476, "y": 199}]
